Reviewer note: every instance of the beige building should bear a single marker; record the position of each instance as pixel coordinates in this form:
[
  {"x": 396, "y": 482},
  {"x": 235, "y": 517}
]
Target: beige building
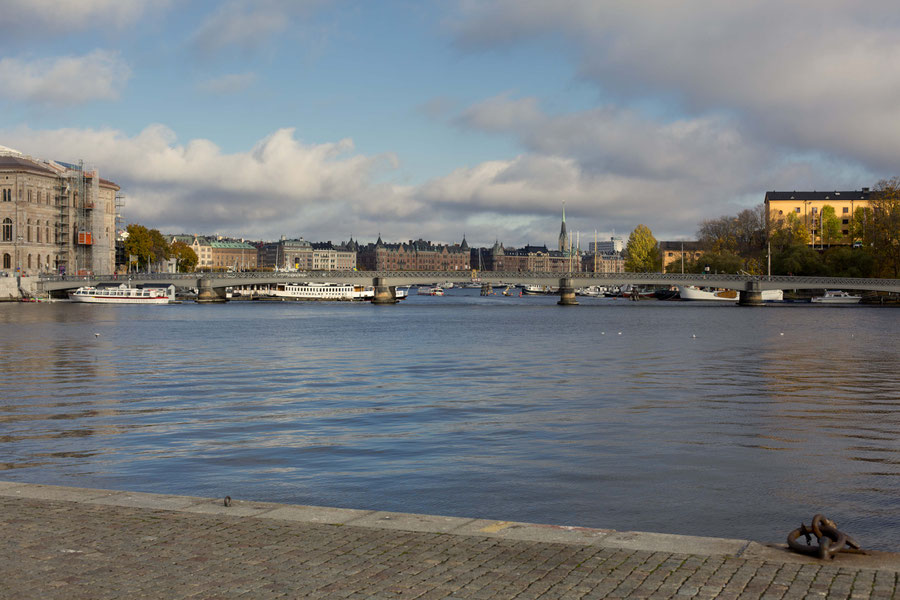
[
  {"x": 56, "y": 217},
  {"x": 807, "y": 207},
  {"x": 674, "y": 254}
]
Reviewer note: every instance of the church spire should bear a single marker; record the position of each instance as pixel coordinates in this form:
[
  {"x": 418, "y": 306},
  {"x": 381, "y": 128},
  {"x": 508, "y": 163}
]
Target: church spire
[{"x": 563, "y": 236}]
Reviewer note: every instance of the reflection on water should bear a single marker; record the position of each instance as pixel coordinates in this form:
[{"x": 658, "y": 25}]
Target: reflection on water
[{"x": 607, "y": 415}]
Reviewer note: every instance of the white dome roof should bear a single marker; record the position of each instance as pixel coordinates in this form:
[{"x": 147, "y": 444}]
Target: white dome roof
[{"x": 4, "y": 151}]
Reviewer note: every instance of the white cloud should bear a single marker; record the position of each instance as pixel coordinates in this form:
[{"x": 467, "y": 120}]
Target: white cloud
[
  {"x": 248, "y": 24},
  {"x": 21, "y": 16},
  {"x": 65, "y": 80},
  {"x": 618, "y": 167},
  {"x": 813, "y": 75},
  {"x": 228, "y": 84},
  {"x": 280, "y": 186}
]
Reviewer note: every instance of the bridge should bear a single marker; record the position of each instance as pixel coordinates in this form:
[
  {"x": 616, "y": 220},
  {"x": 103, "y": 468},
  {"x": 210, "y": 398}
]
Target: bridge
[{"x": 211, "y": 286}]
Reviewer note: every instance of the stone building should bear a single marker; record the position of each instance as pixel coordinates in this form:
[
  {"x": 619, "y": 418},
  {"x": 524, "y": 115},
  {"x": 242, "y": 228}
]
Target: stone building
[
  {"x": 232, "y": 254},
  {"x": 672, "y": 254},
  {"x": 301, "y": 255},
  {"x": 807, "y": 207},
  {"x": 603, "y": 262},
  {"x": 526, "y": 259},
  {"x": 56, "y": 217},
  {"x": 418, "y": 255}
]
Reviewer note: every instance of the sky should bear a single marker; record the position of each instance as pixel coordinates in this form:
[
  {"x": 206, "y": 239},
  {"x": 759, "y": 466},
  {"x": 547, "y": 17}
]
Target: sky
[{"x": 328, "y": 119}]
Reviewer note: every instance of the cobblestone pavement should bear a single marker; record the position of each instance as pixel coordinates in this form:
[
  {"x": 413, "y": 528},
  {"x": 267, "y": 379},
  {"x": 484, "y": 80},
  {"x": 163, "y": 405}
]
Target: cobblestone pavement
[{"x": 70, "y": 549}]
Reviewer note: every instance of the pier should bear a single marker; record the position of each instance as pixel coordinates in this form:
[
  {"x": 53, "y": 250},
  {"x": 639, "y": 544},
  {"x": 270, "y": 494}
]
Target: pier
[{"x": 60, "y": 542}]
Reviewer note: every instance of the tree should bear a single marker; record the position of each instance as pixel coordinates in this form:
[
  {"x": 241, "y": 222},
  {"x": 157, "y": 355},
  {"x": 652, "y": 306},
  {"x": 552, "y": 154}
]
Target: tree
[
  {"x": 860, "y": 225},
  {"x": 642, "y": 252},
  {"x": 798, "y": 260},
  {"x": 829, "y": 225},
  {"x": 146, "y": 245},
  {"x": 884, "y": 229},
  {"x": 185, "y": 257}
]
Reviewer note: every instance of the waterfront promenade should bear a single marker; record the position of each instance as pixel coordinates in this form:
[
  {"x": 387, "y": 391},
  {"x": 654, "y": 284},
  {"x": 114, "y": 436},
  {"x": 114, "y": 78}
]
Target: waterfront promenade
[{"x": 58, "y": 542}]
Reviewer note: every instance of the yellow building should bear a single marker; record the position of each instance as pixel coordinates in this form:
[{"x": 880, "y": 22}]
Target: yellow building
[
  {"x": 675, "y": 254},
  {"x": 807, "y": 207}
]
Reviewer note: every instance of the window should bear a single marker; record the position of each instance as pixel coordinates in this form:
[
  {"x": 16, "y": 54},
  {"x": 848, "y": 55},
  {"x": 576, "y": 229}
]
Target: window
[
  {"x": 28, "y": 233},
  {"x": 797, "y": 209},
  {"x": 39, "y": 262},
  {"x": 7, "y": 230},
  {"x": 6, "y": 195},
  {"x": 846, "y": 210},
  {"x": 7, "y": 261},
  {"x": 29, "y": 261},
  {"x": 37, "y": 231},
  {"x": 29, "y": 196},
  {"x": 814, "y": 210},
  {"x": 845, "y": 221}
]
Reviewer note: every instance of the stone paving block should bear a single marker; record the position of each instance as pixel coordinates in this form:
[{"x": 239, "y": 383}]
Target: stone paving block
[
  {"x": 148, "y": 501},
  {"x": 53, "y": 492},
  {"x": 238, "y": 508},
  {"x": 533, "y": 532},
  {"x": 411, "y": 522},
  {"x": 316, "y": 514},
  {"x": 680, "y": 544}
]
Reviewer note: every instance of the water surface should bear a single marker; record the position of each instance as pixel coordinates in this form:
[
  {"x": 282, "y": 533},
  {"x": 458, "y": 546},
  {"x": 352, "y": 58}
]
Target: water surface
[{"x": 612, "y": 414}]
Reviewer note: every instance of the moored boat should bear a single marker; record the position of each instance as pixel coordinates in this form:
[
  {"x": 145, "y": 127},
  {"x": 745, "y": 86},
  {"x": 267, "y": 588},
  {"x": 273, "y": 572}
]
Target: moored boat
[
  {"x": 836, "y": 297},
  {"x": 690, "y": 292},
  {"x": 123, "y": 295},
  {"x": 323, "y": 291}
]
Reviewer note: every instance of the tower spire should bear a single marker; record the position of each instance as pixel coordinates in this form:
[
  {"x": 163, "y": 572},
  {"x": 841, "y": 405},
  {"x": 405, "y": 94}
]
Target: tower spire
[{"x": 563, "y": 236}]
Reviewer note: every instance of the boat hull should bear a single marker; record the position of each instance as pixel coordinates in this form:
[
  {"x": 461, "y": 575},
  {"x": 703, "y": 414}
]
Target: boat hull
[{"x": 688, "y": 292}]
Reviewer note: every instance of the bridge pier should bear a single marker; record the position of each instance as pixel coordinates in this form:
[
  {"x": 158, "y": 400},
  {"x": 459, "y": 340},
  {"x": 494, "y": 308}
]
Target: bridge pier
[
  {"x": 207, "y": 294},
  {"x": 752, "y": 296},
  {"x": 486, "y": 289},
  {"x": 566, "y": 293},
  {"x": 384, "y": 294}
]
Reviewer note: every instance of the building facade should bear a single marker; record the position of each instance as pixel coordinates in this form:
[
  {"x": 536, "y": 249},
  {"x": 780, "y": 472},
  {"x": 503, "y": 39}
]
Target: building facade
[
  {"x": 56, "y": 217},
  {"x": 526, "y": 259},
  {"x": 611, "y": 262},
  {"x": 673, "y": 254},
  {"x": 301, "y": 255},
  {"x": 807, "y": 207},
  {"x": 418, "y": 255}
]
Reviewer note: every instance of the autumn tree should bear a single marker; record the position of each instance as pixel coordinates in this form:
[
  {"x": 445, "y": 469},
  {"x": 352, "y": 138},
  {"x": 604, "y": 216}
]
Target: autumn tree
[
  {"x": 642, "y": 252},
  {"x": 884, "y": 229},
  {"x": 185, "y": 257},
  {"x": 147, "y": 246},
  {"x": 829, "y": 226}
]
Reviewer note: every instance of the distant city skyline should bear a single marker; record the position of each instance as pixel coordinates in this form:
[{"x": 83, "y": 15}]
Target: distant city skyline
[{"x": 339, "y": 118}]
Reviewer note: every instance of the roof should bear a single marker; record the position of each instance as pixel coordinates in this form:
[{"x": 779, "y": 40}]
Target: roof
[
  {"x": 19, "y": 163},
  {"x": 233, "y": 245},
  {"x": 814, "y": 196},
  {"x": 677, "y": 246}
]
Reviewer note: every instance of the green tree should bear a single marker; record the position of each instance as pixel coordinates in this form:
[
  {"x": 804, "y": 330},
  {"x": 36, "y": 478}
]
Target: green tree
[
  {"x": 185, "y": 257},
  {"x": 860, "y": 225},
  {"x": 829, "y": 226},
  {"x": 798, "y": 260},
  {"x": 844, "y": 261},
  {"x": 642, "y": 252}
]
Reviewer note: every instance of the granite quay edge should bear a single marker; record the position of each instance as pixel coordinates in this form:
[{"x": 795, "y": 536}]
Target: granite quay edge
[{"x": 422, "y": 523}]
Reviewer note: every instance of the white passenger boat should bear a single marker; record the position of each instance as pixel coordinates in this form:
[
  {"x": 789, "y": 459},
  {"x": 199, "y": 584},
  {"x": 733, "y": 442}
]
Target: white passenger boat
[
  {"x": 123, "y": 295},
  {"x": 837, "y": 297},
  {"x": 431, "y": 291},
  {"x": 534, "y": 289},
  {"x": 690, "y": 292},
  {"x": 323, "y": 291}
]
